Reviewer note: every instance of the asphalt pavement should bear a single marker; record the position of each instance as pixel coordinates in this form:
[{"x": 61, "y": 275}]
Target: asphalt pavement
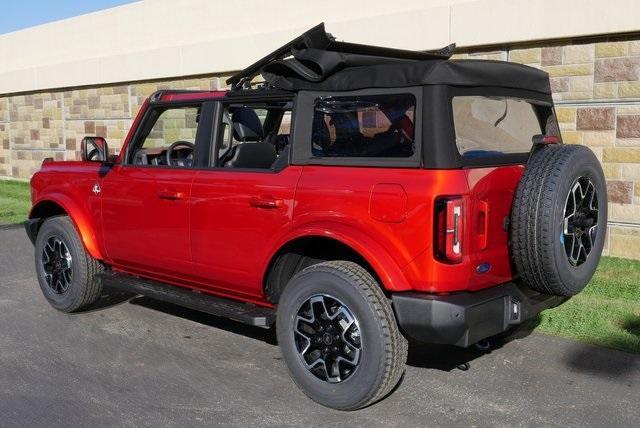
[{"x": 133, "y": 361}]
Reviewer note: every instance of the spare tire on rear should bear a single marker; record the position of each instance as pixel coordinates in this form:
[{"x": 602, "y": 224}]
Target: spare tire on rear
[{"x": 559, "y": 219}]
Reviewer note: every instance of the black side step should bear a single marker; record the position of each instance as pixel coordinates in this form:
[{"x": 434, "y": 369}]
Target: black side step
[{"x": 243, "y": 312}]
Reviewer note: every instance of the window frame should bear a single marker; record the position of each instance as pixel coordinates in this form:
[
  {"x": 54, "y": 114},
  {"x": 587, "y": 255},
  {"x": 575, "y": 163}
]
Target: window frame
[
  {"x": 149, "y": 120},
  {"x": 302, "y": 125},
  {"x": 217, "y": 136}
]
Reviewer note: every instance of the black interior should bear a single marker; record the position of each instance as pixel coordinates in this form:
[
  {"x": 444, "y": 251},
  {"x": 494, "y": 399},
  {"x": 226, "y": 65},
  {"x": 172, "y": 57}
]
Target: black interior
[
  {"x": 351, "y": 140},
  {"x": 252, "y": 155},
  {"x": 257, "y": 142},
  {"x": 180, "y": 153},
  {"x": 257, "y": 145},
  {"x": 246, "y": 125},
  {"x": 181, "y": 156}
]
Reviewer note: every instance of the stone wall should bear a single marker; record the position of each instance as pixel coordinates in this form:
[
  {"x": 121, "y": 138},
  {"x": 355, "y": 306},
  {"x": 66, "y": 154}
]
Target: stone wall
[
  {"x": 596, "y": 85},
  {"x": 51, "y": 124}
]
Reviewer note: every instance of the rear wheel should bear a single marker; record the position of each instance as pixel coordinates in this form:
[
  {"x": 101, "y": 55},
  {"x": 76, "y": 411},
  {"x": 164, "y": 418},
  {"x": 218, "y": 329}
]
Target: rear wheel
[
  {"x": 339, "y": 337},
  {"x": 67, "y": 274},
  {"x": 559, "y": 219}
]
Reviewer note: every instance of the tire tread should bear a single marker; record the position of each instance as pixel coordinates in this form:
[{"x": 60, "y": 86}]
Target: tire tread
[
  {"x": 395, "y": 345},
  {"x": 532, "y": 237}
]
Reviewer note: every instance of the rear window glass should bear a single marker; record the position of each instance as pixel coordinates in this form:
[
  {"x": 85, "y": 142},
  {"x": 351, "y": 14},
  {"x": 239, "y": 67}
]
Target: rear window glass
[
  {"x": 490, "y": 126},
  {"x": 373, "y": 126}
]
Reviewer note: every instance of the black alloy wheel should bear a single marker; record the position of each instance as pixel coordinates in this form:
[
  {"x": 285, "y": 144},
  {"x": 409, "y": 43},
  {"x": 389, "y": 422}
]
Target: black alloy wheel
[
  {"x": 57, "y": 264},
  {"x": 327, "y": 337},
  {"x": 580, "y": 224}
]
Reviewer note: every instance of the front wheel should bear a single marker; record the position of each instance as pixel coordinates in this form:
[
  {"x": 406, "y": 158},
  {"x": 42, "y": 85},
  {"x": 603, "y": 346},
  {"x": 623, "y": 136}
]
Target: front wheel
[
  {"x": 339, "y": 337},
  {"x": 66, "y": 272}
]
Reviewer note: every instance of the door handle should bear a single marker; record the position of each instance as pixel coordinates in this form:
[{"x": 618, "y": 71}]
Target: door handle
[
  {"x": 266, "y": 202},
  {"x": 171, "y": 195}
]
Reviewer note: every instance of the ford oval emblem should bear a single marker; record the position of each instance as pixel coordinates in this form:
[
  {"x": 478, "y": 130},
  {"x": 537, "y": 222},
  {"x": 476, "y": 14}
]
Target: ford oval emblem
[{"x": 483, "y": 268}]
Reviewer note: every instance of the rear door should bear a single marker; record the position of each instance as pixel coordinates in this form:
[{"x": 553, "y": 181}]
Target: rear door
[
  {"x": 145, "y": 200},
  {"x": 239, "y": 209}
]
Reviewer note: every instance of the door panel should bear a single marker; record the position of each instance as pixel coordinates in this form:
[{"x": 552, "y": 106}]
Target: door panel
[
  {"x": 236, "y": 218},
  {"x": 145, "y": 217}
]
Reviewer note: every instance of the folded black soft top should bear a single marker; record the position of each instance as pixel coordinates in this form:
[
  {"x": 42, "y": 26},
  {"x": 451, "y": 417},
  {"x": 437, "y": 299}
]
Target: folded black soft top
[{"x": 315, "y": 61}]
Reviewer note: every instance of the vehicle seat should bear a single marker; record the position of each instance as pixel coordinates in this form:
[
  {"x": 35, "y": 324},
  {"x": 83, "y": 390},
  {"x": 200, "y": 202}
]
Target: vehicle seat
[
  {"x": 252, "y": 155},
  {"x": 246, "y": 125},
  {"x": 254, "y": 151}
]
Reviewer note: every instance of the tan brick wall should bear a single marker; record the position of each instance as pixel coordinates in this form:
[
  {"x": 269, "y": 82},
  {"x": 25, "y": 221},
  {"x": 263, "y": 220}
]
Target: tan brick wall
[
  {"x": 596, "y": 86},
  {"x": 51, "y": 124}
]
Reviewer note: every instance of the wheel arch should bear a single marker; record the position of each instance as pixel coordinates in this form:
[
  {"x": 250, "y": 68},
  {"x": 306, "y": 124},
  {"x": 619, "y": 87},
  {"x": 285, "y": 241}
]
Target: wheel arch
[
  {"x": 59, "y": 204},
  {"x": 45, "y": 209},
  {"x": 315, "y": 245}
]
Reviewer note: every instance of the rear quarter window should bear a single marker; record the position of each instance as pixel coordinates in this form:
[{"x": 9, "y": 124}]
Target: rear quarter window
[
  {"x": 367, "y": 126},
  {"x": 495, "y": 126}
]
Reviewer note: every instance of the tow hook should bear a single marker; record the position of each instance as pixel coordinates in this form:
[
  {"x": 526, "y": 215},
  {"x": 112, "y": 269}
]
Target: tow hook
[{"x": 483, "y": 345}]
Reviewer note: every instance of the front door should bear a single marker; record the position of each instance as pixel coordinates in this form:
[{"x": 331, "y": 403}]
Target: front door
[{"x": 145, "y": 200}]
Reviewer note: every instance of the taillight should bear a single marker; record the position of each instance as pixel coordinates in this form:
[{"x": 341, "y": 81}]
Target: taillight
[{"x": 449, "y": 229}]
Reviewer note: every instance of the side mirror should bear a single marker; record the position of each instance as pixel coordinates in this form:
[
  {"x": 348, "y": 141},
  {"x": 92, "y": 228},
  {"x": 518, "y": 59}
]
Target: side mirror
[{"x": 94, "y": 149}]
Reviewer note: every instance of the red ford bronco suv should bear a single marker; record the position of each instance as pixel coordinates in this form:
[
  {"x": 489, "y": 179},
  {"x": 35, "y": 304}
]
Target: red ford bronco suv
[{"x": 356, "y": 197}]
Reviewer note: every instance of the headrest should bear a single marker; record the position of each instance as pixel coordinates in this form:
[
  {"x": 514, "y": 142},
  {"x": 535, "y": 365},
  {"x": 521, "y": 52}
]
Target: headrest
[{"x": 246, "y": 125}]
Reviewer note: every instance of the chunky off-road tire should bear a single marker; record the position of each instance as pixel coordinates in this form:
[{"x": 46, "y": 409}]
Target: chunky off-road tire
[
  {"x": 558, "y": 220},
  {"x": 66, "y": 272},
  {"x": 361, "y": 315}
]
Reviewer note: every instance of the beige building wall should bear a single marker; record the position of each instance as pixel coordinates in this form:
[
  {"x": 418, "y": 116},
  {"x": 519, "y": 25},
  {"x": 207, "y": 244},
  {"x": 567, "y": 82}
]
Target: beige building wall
[
  {"x": 64, "y": 87},
  {"x": 159, "y": 39},
  {"x": 596, "y": 88}
]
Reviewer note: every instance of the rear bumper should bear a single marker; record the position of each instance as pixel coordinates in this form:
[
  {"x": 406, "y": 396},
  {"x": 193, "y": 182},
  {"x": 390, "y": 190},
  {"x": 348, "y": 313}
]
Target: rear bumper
[{"x": 465, "y": 318}]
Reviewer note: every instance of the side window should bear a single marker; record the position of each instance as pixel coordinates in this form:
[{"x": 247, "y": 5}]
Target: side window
[
  {"x": 374, "y": 126},
  {"x": 251, "y": 138},
  {"x": 171, "y": 139},
  {"x": 494, "y": 126}
]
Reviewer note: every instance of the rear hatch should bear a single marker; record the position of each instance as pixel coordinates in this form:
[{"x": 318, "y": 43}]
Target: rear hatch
[{"x": 494, "y": 137}]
